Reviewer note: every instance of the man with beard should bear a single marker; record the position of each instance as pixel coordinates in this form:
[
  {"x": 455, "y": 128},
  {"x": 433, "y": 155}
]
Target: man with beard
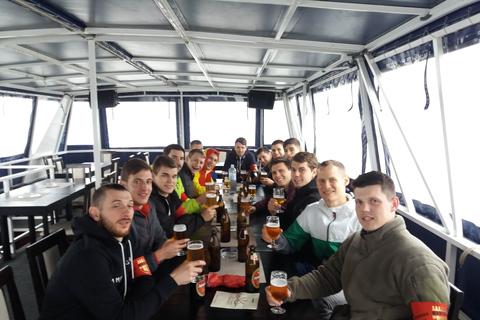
[{"x": 97, "y": 277}]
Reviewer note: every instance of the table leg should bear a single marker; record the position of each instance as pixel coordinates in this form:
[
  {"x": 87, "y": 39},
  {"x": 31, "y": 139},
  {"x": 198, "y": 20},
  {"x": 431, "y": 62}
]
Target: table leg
[
  {"x": 45, "y": 224},
  {"x": 31, "y": 229},
  {"x": 69, "y": 210},
  {"x": 7, "y": 255}
]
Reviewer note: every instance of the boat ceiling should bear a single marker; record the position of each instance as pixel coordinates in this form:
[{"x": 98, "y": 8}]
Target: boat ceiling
[{"x": 194, "y": 45}]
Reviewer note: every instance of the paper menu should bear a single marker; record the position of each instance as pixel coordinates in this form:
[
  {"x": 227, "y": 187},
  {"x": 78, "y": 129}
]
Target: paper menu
[{"x": 238, "y": 300}]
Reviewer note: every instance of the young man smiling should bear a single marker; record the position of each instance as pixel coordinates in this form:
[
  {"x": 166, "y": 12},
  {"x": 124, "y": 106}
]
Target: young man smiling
[
  {"x": 240, "y": 158},
  {"x": 385, "y": 272},
  {"x": 194, "y": 163},
  {"x": 277, "y": 149},
  {"x": 292, "y": 147},
  {"x": 168, "y": 206},
  {"x": 207, "y": 173},
  {"x": 304, "y": 170},
  {"x": 150, "y": 240},
  {"x": 282, "y": 177}
]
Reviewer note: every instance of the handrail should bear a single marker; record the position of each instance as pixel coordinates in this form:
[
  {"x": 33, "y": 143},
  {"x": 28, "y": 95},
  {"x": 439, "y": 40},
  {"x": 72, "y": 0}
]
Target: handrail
[{"x": 36, "y": 168}]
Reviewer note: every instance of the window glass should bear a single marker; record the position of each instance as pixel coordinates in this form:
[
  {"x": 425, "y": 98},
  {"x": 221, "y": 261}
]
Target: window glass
[
  {"x": 15, "y": 115},
  {"x": 46, "y": 110},
  {"x": 142, "y": 124},
  {"x": 80, "y": 128},
  {"x": 275, "y": 124},
  {"x": 221, "y": 123},
  {"x": 338, "y": 127}
]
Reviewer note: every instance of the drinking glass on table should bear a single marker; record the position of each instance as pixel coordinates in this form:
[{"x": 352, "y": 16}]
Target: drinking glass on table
[
  {"x": 195, "y": 252},
  {"x": 263, "y": 175},
  {"x": 273, "y": 229},
  {"x": 252, "y": 190},
  {"x": 279, "y": 196},
  {"x": 278, "y": 289},
  {"x": 179, "y": 233},
  {"x": 210, "y": 186}
]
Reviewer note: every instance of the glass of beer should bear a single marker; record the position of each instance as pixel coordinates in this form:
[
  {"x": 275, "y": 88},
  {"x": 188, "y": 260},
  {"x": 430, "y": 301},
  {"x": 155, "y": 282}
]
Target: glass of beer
[
  {"x": 195, "y": 252},
  {"x": 243, "y": 175},
  {"x": 211, "y": 200},
  {"x": 245, "y": 203},
  {"x": 278, "y": 289},
  {"x": 273, "y": 229},
  {"x": 179, "y": 233},
  {"x": 226, "y": 182},
  {"x": 252, "y": 190},
  {"x": 210, "y": 186},
  {"x": 279, "y": 196},
  {"x": 263, "y": 175}
]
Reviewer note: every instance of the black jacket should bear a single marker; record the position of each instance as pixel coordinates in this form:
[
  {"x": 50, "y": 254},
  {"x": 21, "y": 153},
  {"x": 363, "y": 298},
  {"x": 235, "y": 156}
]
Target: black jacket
[
  {"x": 93, "y": 280},
  {"x": 168, "y": 207},
  {"x": 240, "y": 163},
  {"x": 302, "y": 198},
  {"x": 187, "y": 180}
]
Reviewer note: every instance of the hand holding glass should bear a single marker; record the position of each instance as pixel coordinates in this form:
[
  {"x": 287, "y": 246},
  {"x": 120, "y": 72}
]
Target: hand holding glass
[
  {"x": 279, "y": 196},
  {"x": 179, "y": 233},
  {"x": 278, "y": 289},
  {"x": 195, "y": 252},
  {"x": 273, "y": 229}
]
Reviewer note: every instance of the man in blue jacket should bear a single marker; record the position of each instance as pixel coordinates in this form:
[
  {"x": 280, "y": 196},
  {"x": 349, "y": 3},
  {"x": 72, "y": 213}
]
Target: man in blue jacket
[
  {"x": 95, "y": 278},
  {"x": 240, "y": 158}
]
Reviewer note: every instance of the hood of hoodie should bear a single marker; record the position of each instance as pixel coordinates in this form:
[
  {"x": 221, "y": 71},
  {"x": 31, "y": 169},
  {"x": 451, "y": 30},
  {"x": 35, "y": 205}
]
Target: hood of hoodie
[
  {"x": 208, "y": 152},
  {"x": 308, "y": 188}
]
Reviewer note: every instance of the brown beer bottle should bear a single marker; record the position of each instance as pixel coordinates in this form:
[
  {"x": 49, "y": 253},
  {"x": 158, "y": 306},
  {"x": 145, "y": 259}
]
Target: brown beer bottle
[
  {"x": 252, "y": 271},
  {"x": 197, "y": 290},
  {"x": 221, "y": 208},
  {"x": 214, "y": 250},
  {"x": 241, "y": 219},
  {"x": 225, "y": 227},
  {"x": 249, "y": 180},
  {"x": 239, "y": 198},
  {"x": 243, "y": 239}
]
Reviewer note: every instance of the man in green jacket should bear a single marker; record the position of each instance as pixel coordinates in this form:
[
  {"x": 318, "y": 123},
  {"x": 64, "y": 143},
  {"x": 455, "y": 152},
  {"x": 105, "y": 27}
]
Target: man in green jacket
[{"x": 385, "y": 272}]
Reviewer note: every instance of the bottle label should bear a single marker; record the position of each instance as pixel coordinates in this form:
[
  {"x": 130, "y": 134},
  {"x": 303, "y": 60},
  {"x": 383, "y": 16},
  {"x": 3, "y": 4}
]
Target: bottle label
[
  {"x": 200, "y": 286},
  {"x": 254, "y": 256},
  {"x": 256, "y": 278}
]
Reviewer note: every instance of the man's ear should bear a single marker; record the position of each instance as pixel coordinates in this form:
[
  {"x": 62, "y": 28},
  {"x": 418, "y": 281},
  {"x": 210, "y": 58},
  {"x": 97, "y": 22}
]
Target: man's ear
[
  {"x": 123, "y": 183},
  {"x": 395, "y": 203},
  {"x": 315, "y": 172},
  {"x": 347, "y": 180},
  {"x": 94, "y": 213}
]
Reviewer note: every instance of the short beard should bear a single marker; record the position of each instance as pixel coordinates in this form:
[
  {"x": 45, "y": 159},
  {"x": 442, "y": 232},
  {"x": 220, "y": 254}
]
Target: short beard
[{"x": 110, "y": 227}]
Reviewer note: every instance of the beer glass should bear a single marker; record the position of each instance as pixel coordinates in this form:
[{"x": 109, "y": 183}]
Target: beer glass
[
  {"x": 211, "y": 200},
  {"x": 210, "y": 186},
  {"x": 273, "y": 229},
  {"x": 279, "y": 196},
  {"x": 243, "y": 175},
  {"x": 179, "y": 233},
  {"x": 263, "y": 175},
  {"x": 226, "y": 182},
  {"x": 278, "y": 289},
  {"x": 245, "y": 203},
  {"x": 195, "y": 252},
  {"x": 252, "y": 190}
]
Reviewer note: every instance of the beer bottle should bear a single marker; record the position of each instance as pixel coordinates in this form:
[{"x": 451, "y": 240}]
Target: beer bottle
[
  {"x": 241, "y": 219},
  {"x": 243, "y": 239},
  {"x": 221, "y": 208},
  {"x": 252, "y": 271},
  {"x": 214, "y": 250},
  {"x": 239, "y": 197},
  {"x": 225, "y": 227},
  {"x": 197, "y": 290},
  {"x": 249, "y": 180}
]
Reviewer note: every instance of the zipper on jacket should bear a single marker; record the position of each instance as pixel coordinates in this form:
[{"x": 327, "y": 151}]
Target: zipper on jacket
[
  {"x": 328, "y": 227},
  {"x": 414, "y": 281}
]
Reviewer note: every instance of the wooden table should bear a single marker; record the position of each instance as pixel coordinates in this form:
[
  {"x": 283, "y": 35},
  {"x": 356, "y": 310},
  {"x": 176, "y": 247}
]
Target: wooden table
[
  {"x": 180, "y": 306},
  {"x": 51, "y": 198}
]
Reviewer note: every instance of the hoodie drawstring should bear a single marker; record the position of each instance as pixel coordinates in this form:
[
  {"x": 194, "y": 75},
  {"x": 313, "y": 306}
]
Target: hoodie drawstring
[
  {"x": 124, "y": 272},
  {"x": 131, "y": 259}
]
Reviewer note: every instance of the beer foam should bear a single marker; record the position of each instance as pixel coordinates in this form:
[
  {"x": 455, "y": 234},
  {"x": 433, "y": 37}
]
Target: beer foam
[
  {"x": 195, "y": 246},
  {"x": 272, "y": 225},
  {"x": 279, "y": 283},
  {"x": 211, "y": 195},
  {"x": 179, "y": 227},
  {"x": 277, "y": 196}
]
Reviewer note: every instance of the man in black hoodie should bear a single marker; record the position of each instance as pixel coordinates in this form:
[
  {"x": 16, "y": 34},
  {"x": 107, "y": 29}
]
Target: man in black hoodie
[
  {"x": 304, "y": 170},
  {"x": 240, "y": 157},
  {"x": 95, "y": 278}
]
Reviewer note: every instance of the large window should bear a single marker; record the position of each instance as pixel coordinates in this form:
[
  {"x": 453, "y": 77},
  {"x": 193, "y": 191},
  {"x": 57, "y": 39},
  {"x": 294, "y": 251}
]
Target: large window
[
  {"x": 275, "y": 124},
  {"x": 423, "y": 129},
  {"x": 338, "y": 127},
  {"x": 142, "y": 124},
  {"x": 221, "y": 123},
  {"x": 80, "y": 129},
  {"x": 15, "y": 115},
  {"x": 46, "y": 110}
]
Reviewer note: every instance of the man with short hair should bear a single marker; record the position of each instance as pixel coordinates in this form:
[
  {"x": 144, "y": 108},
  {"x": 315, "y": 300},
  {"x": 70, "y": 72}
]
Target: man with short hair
[
  {"x": 282, "y": 176},
  {"x": 321, "y": 228},
  {"x": 292, "y": 147},
  {"x": 277, "y": 149},
  {"x": 304, "y": 170},
  {"x": 207, "y": 173},
  {"x": 150, "y": 239},
  {"x": 196, "y": 144},
  {"x": 265, "y": 156},
  {"x": 384, "y": 271},
  {"x": 195, "y": 161},
  {"x": 177, "y": 153},
  {"x": 240, "y": 158},
  {"x": 168, "y": 206},
  {"x": 95, "y": 280}
]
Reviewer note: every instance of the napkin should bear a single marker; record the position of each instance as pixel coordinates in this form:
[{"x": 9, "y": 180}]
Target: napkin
[{"x": 231, "y": 281}]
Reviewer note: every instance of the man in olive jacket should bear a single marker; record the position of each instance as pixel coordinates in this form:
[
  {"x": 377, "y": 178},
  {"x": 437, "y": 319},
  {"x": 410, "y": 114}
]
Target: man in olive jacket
[{"x": 384, "y": 271}]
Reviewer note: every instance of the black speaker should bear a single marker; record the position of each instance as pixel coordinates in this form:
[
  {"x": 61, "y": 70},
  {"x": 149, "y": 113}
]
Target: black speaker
[
  {"x": 107, "y": 99},
  {"x": 261, "y": 99}
]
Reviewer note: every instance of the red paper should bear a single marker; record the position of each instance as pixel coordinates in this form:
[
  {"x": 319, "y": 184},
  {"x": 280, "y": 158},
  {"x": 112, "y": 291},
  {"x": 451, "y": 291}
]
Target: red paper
[{"x": 429, "y": 311}]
